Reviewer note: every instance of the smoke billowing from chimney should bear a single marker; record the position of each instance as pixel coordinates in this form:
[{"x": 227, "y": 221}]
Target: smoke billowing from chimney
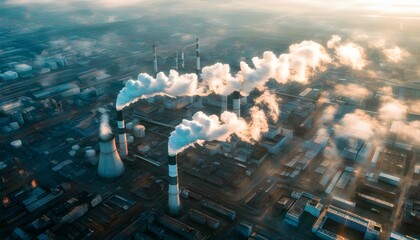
[
  {"x": 204, "y": 128},
  {"x": 146, "y": 86},
  {"x": 352, "y": 91},
  {"x": 269, "y": 99},
  {"x": 122, "y": 137}
]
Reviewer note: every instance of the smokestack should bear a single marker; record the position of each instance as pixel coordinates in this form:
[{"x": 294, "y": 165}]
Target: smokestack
[
  {"x": 155, "y": 66},
  {"x": 224, "y": 103},
  {"x": 110, "y": 164},
  {"x": 173, "y": 191},
  {"x": 122, "y": 138},
  {"x": 197, "y": 50},
  {"x": 176, "y": 61},
  {"x": 237, "y": 103},
  {"x": 182, "y": 60}
]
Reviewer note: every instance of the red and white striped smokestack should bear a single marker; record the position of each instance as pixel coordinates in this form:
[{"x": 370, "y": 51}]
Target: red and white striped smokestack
[
  {"x": 173, "y": 190},
  {"x": 155, "y": 66},
  {"x": 197, "y": 51},
  {"x": 122, "y": 138},
  {"x": 237, "y": 103}
]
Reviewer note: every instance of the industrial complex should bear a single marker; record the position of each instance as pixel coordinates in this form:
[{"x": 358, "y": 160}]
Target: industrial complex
[{"x": 152, "y": 137}]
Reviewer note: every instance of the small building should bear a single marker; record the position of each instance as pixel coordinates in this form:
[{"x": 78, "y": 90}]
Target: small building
[
  {"x": 244, "y": 228},
  {"x": 296, "y": 211},
  {"x": 393, "y": 180},
  {"x": 314, "y": 207}
]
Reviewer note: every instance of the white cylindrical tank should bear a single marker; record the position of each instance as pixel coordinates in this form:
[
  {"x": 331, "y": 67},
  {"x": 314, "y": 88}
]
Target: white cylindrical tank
[
  {"x": 75, "y": 147},
  {"x": 16, "y": 143},
  {"x": 129, "y": 126},
  {"x": 90, "y": 153},
  {"x": 72, "y": 153},
  {"x": 139, "y": 131}
]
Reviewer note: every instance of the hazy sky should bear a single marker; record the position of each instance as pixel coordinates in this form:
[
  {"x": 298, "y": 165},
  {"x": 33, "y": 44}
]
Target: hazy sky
[{"x": 401, "y": 8}]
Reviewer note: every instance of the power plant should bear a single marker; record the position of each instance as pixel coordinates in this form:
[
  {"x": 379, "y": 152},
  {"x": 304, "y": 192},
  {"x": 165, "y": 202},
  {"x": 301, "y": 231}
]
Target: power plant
[
  {"x": 110, "y": 164},
  {"x": 122, "y": 137},
  {"x": 173, "y": 190}
]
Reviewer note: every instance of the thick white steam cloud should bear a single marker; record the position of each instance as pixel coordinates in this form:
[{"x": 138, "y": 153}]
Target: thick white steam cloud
[
  {"x": 348, "y": 54},
  {"x": 146, "y": 86},
  {"x": 204, "y": 128},
  {"x": 352, "y": 91},
  {"x": 303, "y": 60},
  {"x": 104, "y": 128}
]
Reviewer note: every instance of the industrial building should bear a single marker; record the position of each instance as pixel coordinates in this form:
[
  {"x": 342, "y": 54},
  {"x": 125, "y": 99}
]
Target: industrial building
[{"x": 326, "y": 224}]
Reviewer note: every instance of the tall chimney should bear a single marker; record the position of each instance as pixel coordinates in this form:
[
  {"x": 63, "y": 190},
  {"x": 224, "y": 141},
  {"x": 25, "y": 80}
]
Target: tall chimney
[
  {"x": 122, "y": 138},
  {"x": 182, "y": 60},
  {"x": 197, "y": 51},
  {"x": 110, "y": 164},
  {"x": 176, "y": 61},
  {"x": 237, "y": 103},
  {"x": 173, "y": 191},
  {"x": 155, "y": 66},
  {"x": 224, "y": 103}
]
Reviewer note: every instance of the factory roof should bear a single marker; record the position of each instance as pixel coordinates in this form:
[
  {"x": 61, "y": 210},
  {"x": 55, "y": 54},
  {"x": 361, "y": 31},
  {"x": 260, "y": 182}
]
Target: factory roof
[{"x": 299, "y": 206}]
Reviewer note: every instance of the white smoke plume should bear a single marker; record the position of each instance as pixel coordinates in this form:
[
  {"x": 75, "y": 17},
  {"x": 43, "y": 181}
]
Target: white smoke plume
[
  {"x": 146, "y": 86},
  {"x": 352, "y": 91},
  {"x": 333, "y": 42},
  {"x": 351, "y": 54},
  {"x": 204, "y": 128},
  {"x": 414, "y": 106},
  {"x": 348, "y": 54},
  {"x": 395, "y": 54},
  {"x": 256, "y": 127},
  {"x": 217, "y": 79},
  {"x": 104, "y": 129},
  {"x": 328, "y": 114},
  {"x": 410, "y": 132},
  {"x": 392, "y": 109},
  {"x": 359, "y": 125},
  {"x": 269, "y": 99},
  {"x": 391, "y": 112},
  {"x": 302, "y": 61}
]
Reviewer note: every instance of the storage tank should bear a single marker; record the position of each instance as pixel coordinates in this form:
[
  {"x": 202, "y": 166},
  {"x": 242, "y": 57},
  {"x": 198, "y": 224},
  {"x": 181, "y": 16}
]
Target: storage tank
[{"x": 139, "y": 131}]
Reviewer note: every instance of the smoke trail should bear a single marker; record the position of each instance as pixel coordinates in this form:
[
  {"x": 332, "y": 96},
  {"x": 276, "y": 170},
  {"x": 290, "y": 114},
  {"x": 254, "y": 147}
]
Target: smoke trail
[
  {"x": 256, "y": 127},
  {"x": 146, "y": 86},
  {"x": 217, "y": 79},
  {"x": 104, "y": 129},
  {"x": 395, "y": 54},
  {"x": 352, "y": 91},
  {"x": 204, "y": 128},
  {"x": 269, "y": 100},
  {"x": 303, "y": 60},
  {"x": 348, "y": 54}
]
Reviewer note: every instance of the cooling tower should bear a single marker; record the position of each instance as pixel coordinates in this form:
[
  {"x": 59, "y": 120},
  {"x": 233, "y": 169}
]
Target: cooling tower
[
  {"x": 122, "y": 138},
  {"x": 237, "y": 103},
  {"x": 173, "y": 191},
  {"x": 110, "y": 164}
]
